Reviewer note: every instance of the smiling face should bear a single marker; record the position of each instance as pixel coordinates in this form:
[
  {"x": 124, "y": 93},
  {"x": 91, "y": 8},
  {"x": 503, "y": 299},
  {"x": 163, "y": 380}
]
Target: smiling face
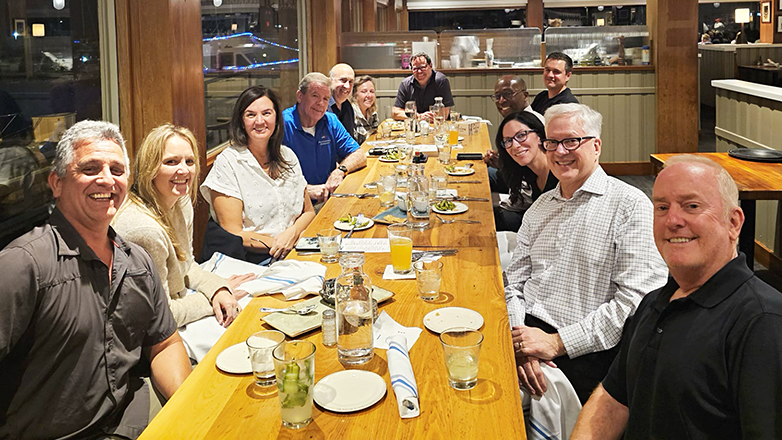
[
  {"x": 555, "y": 77},
  {"x": 694, "y": 234},
  {"x": 572, "y": 168},
  {"x": 313, "y": 104},
  {"x": 259, "y": 119},
  {"x": 523, "y": 153},
  {"x": 176, "y": 171},
  {"x": 365, "y": 96},
  {"x": 517, "y": 94},
  {"x": 342, "y": 82},
  {"x": 421, "y": 70},
  {"x": 93, "y": 187}
]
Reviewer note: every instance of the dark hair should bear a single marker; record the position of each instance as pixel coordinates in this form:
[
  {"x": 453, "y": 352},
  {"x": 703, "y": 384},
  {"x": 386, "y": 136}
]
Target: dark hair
[
  {"x": 563, "y": 57},
  {"x": 277, "y": 164},
  {"x": 510, "y": 168},
  {"x": 423, "y": 55}
]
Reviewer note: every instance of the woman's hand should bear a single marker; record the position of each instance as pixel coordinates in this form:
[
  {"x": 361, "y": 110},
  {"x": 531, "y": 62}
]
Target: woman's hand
[
  {"x": 234, "y": 281},
  {"x": 225, "y": 306},
  {"x": 283, "y": 243}
]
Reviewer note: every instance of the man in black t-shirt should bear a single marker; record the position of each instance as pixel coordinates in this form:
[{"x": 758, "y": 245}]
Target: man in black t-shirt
[{"x": 556, "y": 73}]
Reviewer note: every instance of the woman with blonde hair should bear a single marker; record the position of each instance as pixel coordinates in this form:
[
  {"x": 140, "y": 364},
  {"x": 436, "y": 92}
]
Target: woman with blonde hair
[
  {"x": 158, "y": 216},
  {"x": 364, "y": 104}
]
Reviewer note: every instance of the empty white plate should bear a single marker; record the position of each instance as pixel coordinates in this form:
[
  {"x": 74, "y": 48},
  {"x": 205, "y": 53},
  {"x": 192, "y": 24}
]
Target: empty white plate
[
  {"x": 442, "y": 319},
  {"x": 235, "y": 359},
  {"x": 349, "y": 390}
]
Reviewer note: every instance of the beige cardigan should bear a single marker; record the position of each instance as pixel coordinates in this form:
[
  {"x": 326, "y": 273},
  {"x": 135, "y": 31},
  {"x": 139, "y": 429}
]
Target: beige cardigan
[{"x": 133, "y": 224}]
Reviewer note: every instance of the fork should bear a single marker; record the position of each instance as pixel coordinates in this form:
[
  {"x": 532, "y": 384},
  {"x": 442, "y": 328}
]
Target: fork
[{"x": 448, "y": 222}]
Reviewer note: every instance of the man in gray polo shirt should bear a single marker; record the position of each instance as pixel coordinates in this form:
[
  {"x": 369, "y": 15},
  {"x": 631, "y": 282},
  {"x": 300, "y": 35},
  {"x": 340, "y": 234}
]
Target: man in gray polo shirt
[{"x": 81, "y": 307}]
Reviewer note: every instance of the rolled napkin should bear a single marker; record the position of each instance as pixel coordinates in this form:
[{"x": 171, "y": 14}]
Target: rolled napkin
[
  {"x": 402, "y": 377},
  {"x": 294, "y": 279}
]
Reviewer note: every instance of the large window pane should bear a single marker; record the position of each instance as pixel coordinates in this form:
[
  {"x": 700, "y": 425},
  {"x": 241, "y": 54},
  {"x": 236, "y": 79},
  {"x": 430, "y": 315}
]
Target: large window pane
[
  {"x": 49, "y": 79},
  {"x": 246, "y": 42}
]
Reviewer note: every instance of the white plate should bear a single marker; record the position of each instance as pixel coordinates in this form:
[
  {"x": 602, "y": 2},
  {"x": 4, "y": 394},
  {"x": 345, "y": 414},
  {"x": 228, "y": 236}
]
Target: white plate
[
  {"x": 459, "y": 171},
  {"x": 349, "y": 390},
  {"x": 386, "y": 159},
  {"x": 235, "y": 359},
  {"x": 458, "y": 209},
  {"x": 345, "y": 226},
  {"x": 440, "y": 320}
]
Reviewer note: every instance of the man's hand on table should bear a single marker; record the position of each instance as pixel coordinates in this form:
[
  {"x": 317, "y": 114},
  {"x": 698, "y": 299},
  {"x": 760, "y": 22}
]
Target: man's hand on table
[
  {"x": 335, "y": 178},
  {"x": 531, "y": 341},
  {"x": 491, "y": 158},
  {"x": 318, "y": 193}
]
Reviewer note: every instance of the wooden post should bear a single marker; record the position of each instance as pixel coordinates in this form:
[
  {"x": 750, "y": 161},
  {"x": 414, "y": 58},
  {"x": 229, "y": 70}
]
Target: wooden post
[
  {"x": 347, "y": 17},
  {"x": 405, "y": 24},
  {"x": 160, "y": 74},
  {"x": 535, "y": 14},
  {"x": 673, "y": 26},
  {"x": 369, "y": 15},
  {"x": 325, "y": 30},
  {"x": 391, "y": 24}
]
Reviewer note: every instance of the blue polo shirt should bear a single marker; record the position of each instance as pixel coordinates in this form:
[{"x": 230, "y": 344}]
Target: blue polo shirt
[{"x": 319, "y": 154}]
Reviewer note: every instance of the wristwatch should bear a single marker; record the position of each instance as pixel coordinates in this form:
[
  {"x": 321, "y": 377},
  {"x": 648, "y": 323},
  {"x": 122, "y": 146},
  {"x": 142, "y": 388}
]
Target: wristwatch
[{"x": 343, "y": 168}]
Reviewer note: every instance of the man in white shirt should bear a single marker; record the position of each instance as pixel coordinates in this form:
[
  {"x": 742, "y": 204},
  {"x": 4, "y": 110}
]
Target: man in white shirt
[{"x": 585, "y": 259}]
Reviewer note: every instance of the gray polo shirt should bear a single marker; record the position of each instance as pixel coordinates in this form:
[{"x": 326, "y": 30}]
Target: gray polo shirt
[{"x": 69, "y": 338}]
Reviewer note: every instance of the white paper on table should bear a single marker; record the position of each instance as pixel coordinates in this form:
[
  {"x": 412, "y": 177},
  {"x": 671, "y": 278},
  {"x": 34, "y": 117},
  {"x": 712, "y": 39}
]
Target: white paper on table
[
  {"x": 385, "y": 326},
  {"x": 476, "y": 118},
  {"x": 446, "y": 193},
  {"x": 390, "y": 275},
  {"x": 366, "y": 245},
  {"x": 426, "y": 148}
]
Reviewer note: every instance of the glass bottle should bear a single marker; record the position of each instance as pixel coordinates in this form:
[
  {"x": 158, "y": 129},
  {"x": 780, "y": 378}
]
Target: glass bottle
[
  {"x": 439, "y": 114},
  {"x": 354, "y": 311},
  {"x": 418, "y": 208}
]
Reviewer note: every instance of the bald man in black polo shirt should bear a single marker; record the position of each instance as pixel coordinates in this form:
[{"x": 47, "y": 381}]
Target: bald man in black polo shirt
[{"x": 701, "y": 358}]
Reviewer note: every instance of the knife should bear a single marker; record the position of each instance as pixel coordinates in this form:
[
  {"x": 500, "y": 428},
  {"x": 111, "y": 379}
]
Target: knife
[
  {"x": 465, "y": 199},
  {"x": 465, "y": 181}
]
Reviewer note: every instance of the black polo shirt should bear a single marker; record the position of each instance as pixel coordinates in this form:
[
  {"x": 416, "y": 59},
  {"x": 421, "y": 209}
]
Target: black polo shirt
[
  {"x": 707, "y": 366},
  {"x": 345, "y": 116},
  {"x": 541, "y": 103},
  {"x": 410, "y": 90},
  {"x": 71, "y": 340}
]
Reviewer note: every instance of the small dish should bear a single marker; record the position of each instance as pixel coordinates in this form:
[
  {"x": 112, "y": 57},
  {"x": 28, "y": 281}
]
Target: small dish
[
  {"x": 388, "y": 159},
  {"x": 235, "y": 359},
  {"x": 440, "y": 320},
  {"x": 390, "y": 216},
  {"x": 457, "y": 209},
  {"x": 460, "y": 171},
  {"x": 345, "y": 226},
  {"x": 349, "y": 390}
]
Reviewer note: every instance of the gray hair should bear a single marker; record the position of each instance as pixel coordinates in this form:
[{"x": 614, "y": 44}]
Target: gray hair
[
  {"x": 314, "y": 78},
  {"x": 591, "y": 120},
  {"x": 727, "y": 187},
  {"x": 80, "y": 133}
]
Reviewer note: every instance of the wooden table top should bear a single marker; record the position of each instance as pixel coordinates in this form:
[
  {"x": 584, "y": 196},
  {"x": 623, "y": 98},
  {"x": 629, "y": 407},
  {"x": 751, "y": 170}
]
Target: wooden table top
[
  {"x": 212, "y": 404},
  {"x": 755, "y": 180}
]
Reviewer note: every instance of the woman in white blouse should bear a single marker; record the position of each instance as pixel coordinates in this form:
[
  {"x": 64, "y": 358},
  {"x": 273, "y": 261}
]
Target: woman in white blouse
[{"x": 256, "y": 189}]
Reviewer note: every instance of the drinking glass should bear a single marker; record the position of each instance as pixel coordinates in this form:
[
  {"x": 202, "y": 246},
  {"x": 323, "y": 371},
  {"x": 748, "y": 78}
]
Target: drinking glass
[
  {"x": 410, "y": 109},
  {"x": 328, "y": 240},
  {"x": 401, "y": 174},
  {"x": 443, "y": 151},
  {"x": 453, "y": 134},
  {"x": 386, "y": 190},
  {"x": 428, "y": 275},
  {"x": 410, "y": 130},
  {"x": 439, "y": 184},
  {"x": 418, "y": 208},
  {"x": 260, "y": 345},
  {"x": 461, "y": 347},
  {"x": 294, "y": 363},
  {"x": 400, "y": 237}
]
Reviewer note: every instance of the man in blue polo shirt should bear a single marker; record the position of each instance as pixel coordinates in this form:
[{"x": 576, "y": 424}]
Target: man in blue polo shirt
[{"x": 326, "y": 151}]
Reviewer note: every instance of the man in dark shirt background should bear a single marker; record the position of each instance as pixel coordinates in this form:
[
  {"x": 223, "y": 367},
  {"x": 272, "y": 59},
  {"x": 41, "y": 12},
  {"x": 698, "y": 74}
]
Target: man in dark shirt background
[
  {"x": 342, "y": 78},
  {"x": 556, "y": 74},
  {"x": 422, "y": 86}
]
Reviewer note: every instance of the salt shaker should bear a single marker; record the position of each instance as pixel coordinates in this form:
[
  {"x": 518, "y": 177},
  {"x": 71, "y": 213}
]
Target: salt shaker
[{"x": 329, "y": 328}]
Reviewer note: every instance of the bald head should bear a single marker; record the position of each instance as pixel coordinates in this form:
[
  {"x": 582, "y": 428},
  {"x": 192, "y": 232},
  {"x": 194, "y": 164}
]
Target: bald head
[
  {"x": 510, "y": 95},
  {"x": 342, "y": 77}
]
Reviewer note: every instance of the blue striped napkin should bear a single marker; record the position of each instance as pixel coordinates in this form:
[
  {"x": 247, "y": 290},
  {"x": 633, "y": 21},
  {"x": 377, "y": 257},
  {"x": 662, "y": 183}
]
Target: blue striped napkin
[{"x": 402, "y": 377}]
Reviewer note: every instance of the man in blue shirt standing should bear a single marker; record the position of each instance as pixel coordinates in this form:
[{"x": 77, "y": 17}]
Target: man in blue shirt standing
[{"x": 326, "y": 151}]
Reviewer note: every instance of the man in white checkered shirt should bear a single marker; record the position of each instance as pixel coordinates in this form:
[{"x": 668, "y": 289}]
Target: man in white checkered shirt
[{"x": 585, "y": 259}]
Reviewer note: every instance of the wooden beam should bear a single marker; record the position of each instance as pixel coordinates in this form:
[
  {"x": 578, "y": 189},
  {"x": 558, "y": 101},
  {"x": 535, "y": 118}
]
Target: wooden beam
[
  {"x": 405, "y": 24},
  {"x": 535, "y": 14},
  {"x": 369, "y": 15},
  {"x": 347, "y": 16},
  {"x": 628, "y": 168},
  {"x": 391, "y": 24},
  {"x": 673, "y": 25},
  {"x": 326, "y": 28}
]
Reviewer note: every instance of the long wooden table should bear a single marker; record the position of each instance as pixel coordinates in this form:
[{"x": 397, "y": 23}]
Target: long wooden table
[
  {"x": 755, "y": 181},
  {"x": 212, "y": 404}
]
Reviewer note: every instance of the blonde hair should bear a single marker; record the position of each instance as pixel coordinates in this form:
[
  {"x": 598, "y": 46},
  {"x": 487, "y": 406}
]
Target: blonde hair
[
  {"x": 727, "y": 187},
  {"x": 146, "y": 165},
  {"x": 360, "y": 82}
]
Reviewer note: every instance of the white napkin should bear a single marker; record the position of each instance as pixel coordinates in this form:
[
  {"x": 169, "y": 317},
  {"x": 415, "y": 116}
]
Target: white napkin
[
  {"x": 200, "y": 336},
  {"x": 390, "y": 275},
  {"x": 402, "y": 377},
  {"x": 294, "y": 279},
  {"x": 385, "y": 327}
]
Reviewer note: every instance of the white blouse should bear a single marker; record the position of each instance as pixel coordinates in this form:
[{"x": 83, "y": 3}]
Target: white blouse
[{"x": 270, "y": 206}]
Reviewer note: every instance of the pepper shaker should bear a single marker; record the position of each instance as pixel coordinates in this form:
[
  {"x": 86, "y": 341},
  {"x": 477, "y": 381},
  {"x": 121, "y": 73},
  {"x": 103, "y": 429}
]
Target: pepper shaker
[{"x": 329, "y": 328}]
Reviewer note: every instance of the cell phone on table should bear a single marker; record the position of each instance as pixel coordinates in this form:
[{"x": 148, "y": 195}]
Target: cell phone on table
[{"x": 469, "y": 156}]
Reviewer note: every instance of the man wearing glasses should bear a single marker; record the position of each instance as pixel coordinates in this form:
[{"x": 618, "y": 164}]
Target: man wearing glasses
[
  {"x": 556, "y": 74},
  {"x": 422, "y": 87},
  {"x": 585, "y": 259},
  {"x": 342, "y": 78}
]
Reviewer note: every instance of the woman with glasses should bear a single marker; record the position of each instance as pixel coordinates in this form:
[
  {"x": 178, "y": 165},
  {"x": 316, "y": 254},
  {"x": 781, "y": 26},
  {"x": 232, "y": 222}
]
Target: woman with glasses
[
  {"x": 524, "y": 167},
  {"x": 364, "y": 104}
]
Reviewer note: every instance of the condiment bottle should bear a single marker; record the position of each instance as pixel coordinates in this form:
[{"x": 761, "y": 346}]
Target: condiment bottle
[{"x": 329, "y": 328}]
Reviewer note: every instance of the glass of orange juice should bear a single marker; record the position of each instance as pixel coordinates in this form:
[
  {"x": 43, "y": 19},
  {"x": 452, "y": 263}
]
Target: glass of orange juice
[
  {"x": 400, "y": 236},
  {"x": 453, "y": 134}
]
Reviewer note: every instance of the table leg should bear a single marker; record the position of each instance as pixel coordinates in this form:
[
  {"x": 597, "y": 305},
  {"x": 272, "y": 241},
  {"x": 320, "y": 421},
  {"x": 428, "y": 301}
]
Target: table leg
[{"x": 747, "y": 236}]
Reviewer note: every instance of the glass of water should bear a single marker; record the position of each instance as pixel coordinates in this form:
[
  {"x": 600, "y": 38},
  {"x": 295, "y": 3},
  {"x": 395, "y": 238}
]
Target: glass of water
[
  {"x": 328, "y": 241},
  {"x": 260, "y": 346},
  {"x": 462, "y": 347}
]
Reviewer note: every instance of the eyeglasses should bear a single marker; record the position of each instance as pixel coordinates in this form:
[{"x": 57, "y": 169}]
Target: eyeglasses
[
  {"x": 519, "y": 137},
  {"x": 419, "y": 68},
  {"x": 506, "y": 95},
  {"x": 569, "y": 144}
]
